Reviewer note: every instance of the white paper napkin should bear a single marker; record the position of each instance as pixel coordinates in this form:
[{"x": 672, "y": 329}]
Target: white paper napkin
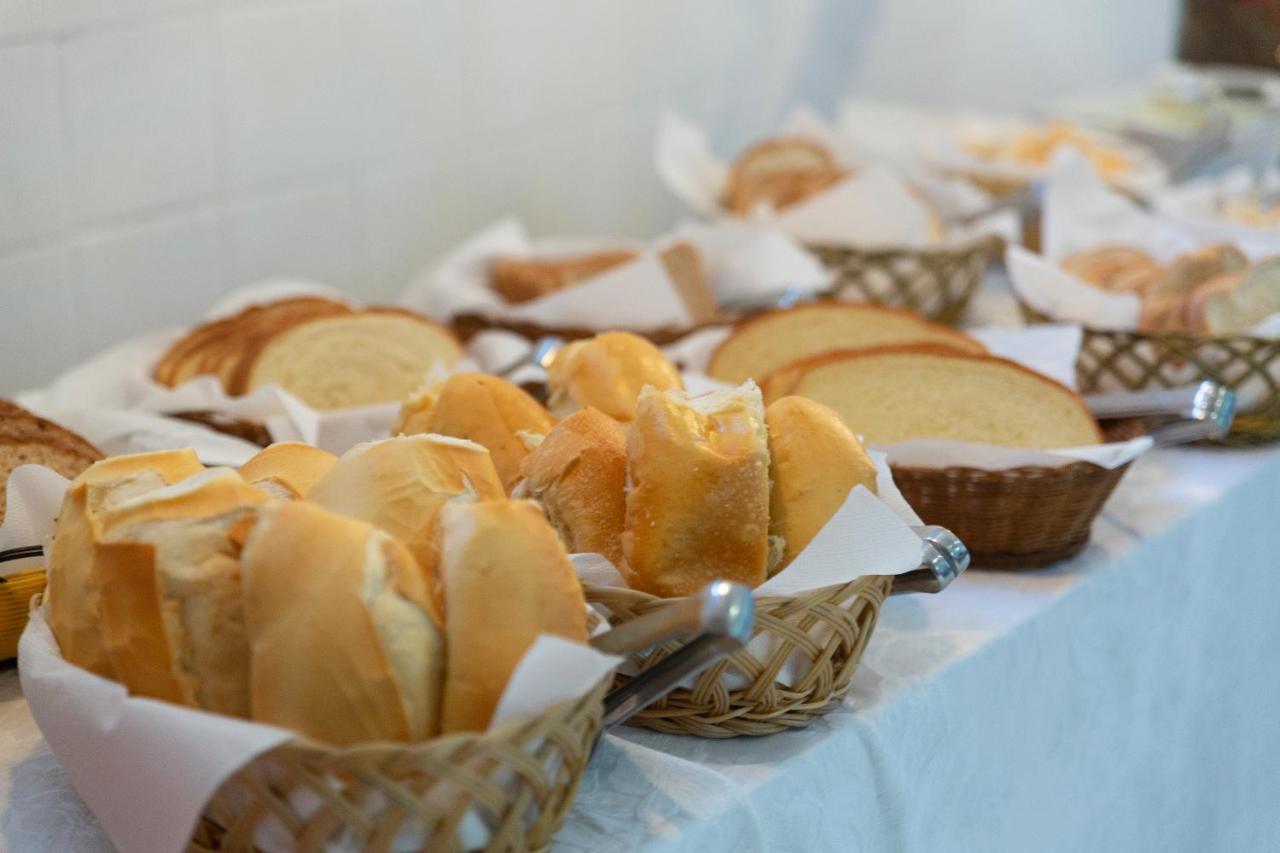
[{"x": 1197, "y": 205}]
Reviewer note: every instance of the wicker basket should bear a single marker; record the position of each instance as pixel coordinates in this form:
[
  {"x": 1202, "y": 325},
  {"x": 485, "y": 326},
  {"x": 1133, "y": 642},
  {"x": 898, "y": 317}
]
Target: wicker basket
[
  {"x": 937, "y": 283},
  {"x": 1135, "y": 361},
  {"x": 827, "y": 628},
  {"x": 520, "y": 777}
]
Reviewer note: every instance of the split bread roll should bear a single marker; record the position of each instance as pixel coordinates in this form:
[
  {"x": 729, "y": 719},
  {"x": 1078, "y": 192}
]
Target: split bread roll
[
  {"x": 814, "y": 462},
  {"x": 607, "y": 372},
  {"x": 698, "y": 507},
  {"x": 400, "y": 485},
  {"x": 892, "y": 394},
  {"x": 289, "y": 469},
  {"x": 74, "y": 592},
  {"x": 524, "y": 279},
  {"x": 507, "y": 579},
  {"x": 369, "y": 356},
  {"x": 763, "y": 344},
  {"x": 579, "y": 476},
  {"x": 27, "y": 439},
  {"x": 482, "y": 408},
  {"x": 343, "y": 647}
]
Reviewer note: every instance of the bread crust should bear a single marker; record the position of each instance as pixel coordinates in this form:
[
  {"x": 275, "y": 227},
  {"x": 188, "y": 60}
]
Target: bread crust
[
  {"x": 781, "y": 172},
  {"x": 607, "y": 372},
  {"x": 519, "y": 280}
]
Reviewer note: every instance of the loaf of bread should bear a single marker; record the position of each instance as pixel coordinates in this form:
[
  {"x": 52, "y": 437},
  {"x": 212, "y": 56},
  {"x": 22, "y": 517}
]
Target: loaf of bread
[
  {"x": 607, "y": 373},
  {"x": 524, "y": 279},
  {"x": 698, "y": 507},
  {"x": 758, "y": 347},
  {"x": 814, "y": 462},
  {"x": 287, "y": 470},
  {"x": 578, "y": 474},
  {"x": 74, "y": 592},
  {"x": 26, "y": 439},
  {"x": 343, "y": 646},
  {"x": 485, "y": 409},
  {"x": 779, "y": 173},
  {"x": 893, "y": 394},
  {"x": 507, "y": 579}
]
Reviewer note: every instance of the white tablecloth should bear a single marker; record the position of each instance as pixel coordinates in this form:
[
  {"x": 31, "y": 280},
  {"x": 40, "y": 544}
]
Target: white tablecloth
[{"x": 1127, "y": 700}]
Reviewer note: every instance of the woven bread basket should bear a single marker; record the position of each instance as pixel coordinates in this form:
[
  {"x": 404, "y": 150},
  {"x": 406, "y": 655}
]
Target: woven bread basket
[
  {"x": 520, "y": 778},
  {"x": 1136, "y": 361},
  {"x": 937, "y": 283},
  {"x": 826, "y": 629}
]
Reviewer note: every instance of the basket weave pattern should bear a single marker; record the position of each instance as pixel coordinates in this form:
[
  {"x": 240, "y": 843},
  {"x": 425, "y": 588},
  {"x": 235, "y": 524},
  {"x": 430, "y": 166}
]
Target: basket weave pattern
[
  {"x": 937, "y": 283},
  {"x": 520, "y": 778},
  {"x": 828, "y": 629}
]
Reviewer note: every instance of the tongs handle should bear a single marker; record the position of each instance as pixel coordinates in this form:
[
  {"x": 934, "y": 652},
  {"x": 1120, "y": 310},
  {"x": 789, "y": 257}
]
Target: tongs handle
[
  {"x": 1205, "y": 410},
  {"x": 945, "y": 558}
]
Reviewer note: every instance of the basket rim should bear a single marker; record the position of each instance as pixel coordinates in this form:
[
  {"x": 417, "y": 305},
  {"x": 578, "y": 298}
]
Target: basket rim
[
  {"x": 982, "y": 244},
  {"x": 1072, "y": 469},
  {"x": 760, "y": 600}
]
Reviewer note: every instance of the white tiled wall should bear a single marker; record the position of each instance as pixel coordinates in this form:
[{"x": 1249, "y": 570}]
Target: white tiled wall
[{"x": 154, "y": 153}]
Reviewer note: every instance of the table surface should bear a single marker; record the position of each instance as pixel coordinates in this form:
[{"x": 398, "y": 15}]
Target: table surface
[{"x": 952, "y": 721}]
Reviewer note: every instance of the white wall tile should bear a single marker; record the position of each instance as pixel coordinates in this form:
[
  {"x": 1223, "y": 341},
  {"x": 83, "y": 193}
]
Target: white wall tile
[
  {"x": 31, "y": 163},
  {"x": 39, "y": 320},
  {"x": 140, "y": 108},
  {"x": 310, "y": 234},
  {"x": 288, "y": 91},
  {"x": 148, "y": 277}
]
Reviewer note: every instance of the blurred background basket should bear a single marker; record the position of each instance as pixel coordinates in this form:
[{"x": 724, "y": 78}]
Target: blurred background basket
[
  {"x": 519, "y": 779},
  {"x": 826, "y": 629},
  {"x": 16, "y": 592},
  {"x": 937, "y": 283}
]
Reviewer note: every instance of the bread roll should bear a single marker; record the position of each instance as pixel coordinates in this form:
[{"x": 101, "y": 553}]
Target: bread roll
[
  {"x": 764, "y": 344},
  {"x": 814, "y": 462},
  {"x": 74, "y": 594},
  {"x": 485, "y": 409},
  {"x": 579, "y": 476},
  {"x": 400, "y": 484},
  {"x": 507, "y": 579},
  {"x": 288, "y": 469},
  {"x": 342, "y": 645},
  {"x": 523, "y": 279},
  {"x": 607, "y": 372},
  {"x": 698, "y": 508},
  {"x": 892, "y": 394},
  {"x": 26, "y": 439},
  {"x": 169, "y": 574}
]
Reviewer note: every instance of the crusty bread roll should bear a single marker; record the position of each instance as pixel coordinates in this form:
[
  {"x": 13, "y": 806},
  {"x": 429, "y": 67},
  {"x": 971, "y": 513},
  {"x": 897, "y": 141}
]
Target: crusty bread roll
[
  {"x": 507, "y": 579},
  {"x": 763, "y": 344},
  {"x": 74, "y": 593},
  {"x": 28, "y": 439},
  {"x": 698, "y": 508},
  {"x": 354, "y": 359},
  {"x": 579, "y": 476},
  {"x": 892, "y": 394},
  {"x": 400, "y": 484},
  {"x": 168, "y": 569},
  {"x": 485, "y": 409},
  {"x": 523, "y": 279},
  {"x": 607, "y": 372},
  {"x": 343, "y": 647},
  {"x": 1120, "y": 269},
  {"x": 779, "y": 173},
  {"x": 814, "y": 462},
  {"x": 288, "y": 469}
]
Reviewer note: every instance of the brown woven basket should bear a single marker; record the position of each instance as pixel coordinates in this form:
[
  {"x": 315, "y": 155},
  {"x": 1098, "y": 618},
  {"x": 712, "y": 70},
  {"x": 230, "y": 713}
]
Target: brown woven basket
[
  {"x": 520, "y": 778},
  {"x": 1135, "y": 361},
  {"x": 828, "y": 628},
  {"x": 937, "y": 283}
]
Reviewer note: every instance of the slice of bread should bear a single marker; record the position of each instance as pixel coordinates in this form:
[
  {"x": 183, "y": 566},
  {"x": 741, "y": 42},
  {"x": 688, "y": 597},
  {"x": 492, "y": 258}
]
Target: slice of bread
[
  {"x": 779, "y": 173},
  {"x": 368, "y": 356},
  {"x": 899, "y": 393},
  {"x": 1120, "y": 269},
  {"x": 27, "y": 439},
  {"x": 761, "y": 345},
  {"x": 684, "y": 267},
  {"x": 524, "y": 279}
]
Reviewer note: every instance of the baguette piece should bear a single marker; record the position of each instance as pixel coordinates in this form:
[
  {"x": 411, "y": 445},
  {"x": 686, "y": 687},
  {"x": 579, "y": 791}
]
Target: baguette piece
[
  {"x": 400, "y": 485},
  {"x": 482, "y": 408},
  {"x": 288, "y": 469},
  {"x": 524, "y": 279},
  {"x": 814, "y": 462},
  {"x": 74, "y": 593},
  {"x": 607, "y": 372},
  {"x": 27, "y": 439},
  {"x": 579, "y": 476},
  {"x": 369, "y": 356},
  {"x": 892, "y": 394},
  {"x": 698, "y": 508},
  {"x": 343, "y": 646},
  {"x": 763, "y": 344},
  {"x": 507, "y": 579}
]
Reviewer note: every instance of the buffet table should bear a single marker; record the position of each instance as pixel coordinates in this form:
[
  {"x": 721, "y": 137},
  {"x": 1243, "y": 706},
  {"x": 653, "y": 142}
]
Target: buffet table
[{"x": 1126, "y": 700}]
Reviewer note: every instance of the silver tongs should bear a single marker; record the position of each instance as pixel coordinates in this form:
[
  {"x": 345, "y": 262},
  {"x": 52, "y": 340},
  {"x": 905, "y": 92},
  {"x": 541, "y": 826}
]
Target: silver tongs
[
  {"x": 543, "y": 353},
  {"x": 1180, "y": 415},
  {"x": 944, "y": 559}
]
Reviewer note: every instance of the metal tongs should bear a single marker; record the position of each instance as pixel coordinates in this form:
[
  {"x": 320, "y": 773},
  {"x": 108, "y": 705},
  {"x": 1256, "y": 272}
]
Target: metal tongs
[{"x": 1177, "y": 415}]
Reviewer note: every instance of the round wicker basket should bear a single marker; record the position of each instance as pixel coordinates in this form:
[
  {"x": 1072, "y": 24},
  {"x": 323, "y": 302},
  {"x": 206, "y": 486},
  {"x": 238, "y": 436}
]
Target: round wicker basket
[
  {"x": 519, "y": 779},
  {"x": 937, "y": 283},
  {"x": 822, "y": 632}
]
